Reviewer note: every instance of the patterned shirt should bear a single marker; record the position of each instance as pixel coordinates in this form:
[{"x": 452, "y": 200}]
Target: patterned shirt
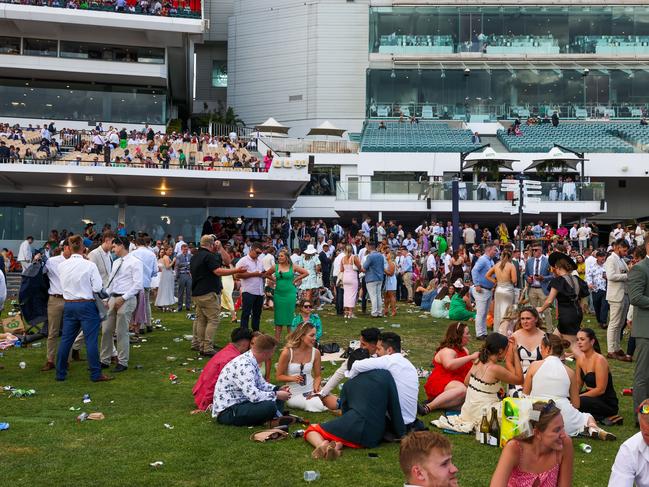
[
  {"x": 595, "y": 277},
  {"x": 241, "y": 381}
]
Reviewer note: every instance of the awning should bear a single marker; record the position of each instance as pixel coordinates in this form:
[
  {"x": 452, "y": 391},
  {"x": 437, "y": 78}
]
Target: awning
[
  {"x": 557, "y": 157},
  {"x": 272, "y": 126},
  {"x": 327, "y": 128},
  {"x": 488, "y": 156}
]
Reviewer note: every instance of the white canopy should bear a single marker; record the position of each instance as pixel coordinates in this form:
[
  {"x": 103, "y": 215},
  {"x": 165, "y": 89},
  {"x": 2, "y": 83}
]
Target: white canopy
[
  {"x": 272, "y": 126},
  {"x": 555, "y": 156},
  {"x": 327, "y": 128},
  {"x": 487, "y": 156}
]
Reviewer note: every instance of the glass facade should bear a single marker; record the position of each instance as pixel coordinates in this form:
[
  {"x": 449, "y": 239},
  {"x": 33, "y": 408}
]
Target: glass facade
[
  {"x": 490, "y": 94},
  {"x": 81, "y": 101},
  {"x": 9, "y": 45},
  {"x": 105, "y": 52},
  {"x": 603, "y": 30}
]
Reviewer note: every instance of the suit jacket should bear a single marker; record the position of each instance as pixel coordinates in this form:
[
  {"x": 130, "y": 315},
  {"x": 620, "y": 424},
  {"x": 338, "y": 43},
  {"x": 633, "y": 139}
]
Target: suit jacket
[
  {"x": 616, "y": 277},
  {"x": 639, "y": 297},
  {"x": 364, "y": 401},
  {"x": 544, "y": 271}
]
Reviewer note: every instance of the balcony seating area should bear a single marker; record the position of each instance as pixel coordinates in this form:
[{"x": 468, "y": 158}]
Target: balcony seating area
[
  {"x": 29, "y": 149},
  {"x": 415, "y": 137},
  {"x": 582, "y": 137}
]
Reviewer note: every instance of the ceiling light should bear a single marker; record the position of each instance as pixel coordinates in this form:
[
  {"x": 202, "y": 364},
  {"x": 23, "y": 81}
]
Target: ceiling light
[
  {"x": 163, "y": 193},
  {"x": 252, "y": 195},
  {"x": 69, "y": 190},
  {"x": 393, "y": 74}
]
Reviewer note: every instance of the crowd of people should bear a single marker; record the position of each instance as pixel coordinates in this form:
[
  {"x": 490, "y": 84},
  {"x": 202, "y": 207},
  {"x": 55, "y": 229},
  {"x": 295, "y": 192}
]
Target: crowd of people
[
  {"x": 166, "y": 8},
  {"x": 106, "y": 294}
]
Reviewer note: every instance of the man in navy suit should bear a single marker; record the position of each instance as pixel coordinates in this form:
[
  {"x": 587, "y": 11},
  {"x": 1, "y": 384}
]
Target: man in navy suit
[{"x": 537, "y": 276}]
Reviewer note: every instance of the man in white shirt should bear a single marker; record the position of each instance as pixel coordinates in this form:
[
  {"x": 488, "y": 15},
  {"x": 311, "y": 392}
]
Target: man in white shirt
[
  {"x": 149, "y": 271},
  {"x": 25, "y": 253},
  {"x": 125, "y": 284},
  {"x": 403, "y": 372},
  {"x": 426, "y": 461},
  {"x": 431, "y": 265},
  {"x": 79, "y": 280},
  {"x": 179, "y": 243},
  {"x": 366, "y": 228},
  {"x": 574, "y": 236},
  {"x": 55, "y": 304},
  {"x": 410, "y": 243},
  {"x": 583, "y": 234},
  {"x": 631, "y": 466}
]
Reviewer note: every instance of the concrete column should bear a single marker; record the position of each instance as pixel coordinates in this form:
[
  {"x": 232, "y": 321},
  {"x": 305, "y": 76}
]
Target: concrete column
[
  {"x": 559, "y": 218},
  {"x": 121, "y": 214},
  {"x": 268, "y": 215},
  {"x": 380, "y": 216}
]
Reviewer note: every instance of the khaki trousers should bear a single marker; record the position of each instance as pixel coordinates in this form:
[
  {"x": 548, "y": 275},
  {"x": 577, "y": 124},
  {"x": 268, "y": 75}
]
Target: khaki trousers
[
  {"x": 208, "y": 309},
  {"x": 116, "y": 322},
  {"x": 537, "y": 298},
  {"x": 54, "y": 323},
  {"x": 407, "y": 282},
  {"x": 616, "y": 321}
]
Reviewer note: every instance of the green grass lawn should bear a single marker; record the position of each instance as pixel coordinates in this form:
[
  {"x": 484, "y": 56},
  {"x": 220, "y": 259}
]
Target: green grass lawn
[{"x": 45, "y": 446}]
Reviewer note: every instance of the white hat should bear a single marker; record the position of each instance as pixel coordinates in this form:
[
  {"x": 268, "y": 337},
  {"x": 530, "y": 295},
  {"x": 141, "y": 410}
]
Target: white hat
[
  {"x": 310, "y": 250},
  {"x": 458, "y": 284}
]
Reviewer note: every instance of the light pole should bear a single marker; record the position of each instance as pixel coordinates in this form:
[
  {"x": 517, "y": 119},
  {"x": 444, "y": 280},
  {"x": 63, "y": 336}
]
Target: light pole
[{"x": 455, "y": 196}]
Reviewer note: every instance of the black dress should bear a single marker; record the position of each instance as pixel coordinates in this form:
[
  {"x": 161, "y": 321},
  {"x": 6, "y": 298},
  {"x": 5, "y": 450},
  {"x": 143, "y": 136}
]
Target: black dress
[
  {"x": 568, "y": 305},
  {"x": 599, "y": 407}
]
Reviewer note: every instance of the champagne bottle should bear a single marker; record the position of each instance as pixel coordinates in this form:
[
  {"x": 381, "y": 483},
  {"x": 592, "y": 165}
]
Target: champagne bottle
[
  {"x": 494, "y": 428},
  {"x": 484, "y": 428}
]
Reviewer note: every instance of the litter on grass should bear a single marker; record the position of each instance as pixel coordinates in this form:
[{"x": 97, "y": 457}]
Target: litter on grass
[
  {"x": 168, "y": 426},
  {"x": 156, "y": 464}
]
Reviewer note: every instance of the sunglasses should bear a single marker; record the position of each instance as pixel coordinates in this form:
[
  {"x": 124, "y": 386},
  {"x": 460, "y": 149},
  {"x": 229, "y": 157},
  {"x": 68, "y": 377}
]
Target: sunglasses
[
  {"x": 644, "y": 409},
  {"x": 306, "y": 306}
]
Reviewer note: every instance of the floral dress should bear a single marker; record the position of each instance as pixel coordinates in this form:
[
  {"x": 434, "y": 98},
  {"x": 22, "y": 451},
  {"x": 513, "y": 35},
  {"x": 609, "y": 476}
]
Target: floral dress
[{"x": 311, "y": 281}]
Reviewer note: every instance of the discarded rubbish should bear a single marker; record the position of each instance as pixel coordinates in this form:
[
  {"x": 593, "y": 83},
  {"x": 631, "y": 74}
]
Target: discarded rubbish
[
  {"x": 22, "y": 392},
  {"x": 585, "y": 447},
  {"x": 156, "y": 464},
  {"x": 86, "y": 398},
  {"x": 96, "y": 416},
  {"x": 311, "y": 476},
  {"x": 143, "y": 340},
  {"x": 173, "y": 378},
  {"x": 37, "y": 345},
  {"x": 22, "y": 365},
  {"x": 4, "y": 426},
  {"x": 72, "y": 408},
  {"x": 168, "y": 426},
  {"x": 138, "y": 366},
  {"x": 395, "y": 325},
  {"x": 628, "y": 391},
  {"x": 171, "y": 358},
  {"x": 82, "y": 417},
  {"x": 178, "y": 340},
  {"x": 188, "y": 337}
]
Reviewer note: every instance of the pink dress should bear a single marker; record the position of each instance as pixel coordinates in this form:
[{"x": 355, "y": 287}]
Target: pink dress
[
  {"x": 350, "y": 286},
  {"x": 549, "y": 478}
]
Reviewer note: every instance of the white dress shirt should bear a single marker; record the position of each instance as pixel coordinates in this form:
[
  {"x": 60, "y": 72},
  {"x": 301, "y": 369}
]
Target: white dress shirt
[
  {"x": 405, "y": 378},
  {"x": 149, "y": 264},
  {"x": 336, "y": 265},
  {"x": 431, "y": 263},
  {"x": 52, "y": 271},
  {"x": 103, "y": 262},
  {"x": 126, "y": 277},
  {"x": 178, "y": 246},
  {"x": 25, "y": 252},
  {"x": 631, "y": 466},
  {"x": 79, "y": 278}
]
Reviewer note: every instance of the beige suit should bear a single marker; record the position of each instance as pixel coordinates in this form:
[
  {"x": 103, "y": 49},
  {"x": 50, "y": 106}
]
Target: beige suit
[{"x": 618, "y": 299}]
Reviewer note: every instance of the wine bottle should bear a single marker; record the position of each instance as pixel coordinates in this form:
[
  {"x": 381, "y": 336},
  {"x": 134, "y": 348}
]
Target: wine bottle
[
  {"x": 494, "y": 428},
  {"x": 484, "y": 428}
]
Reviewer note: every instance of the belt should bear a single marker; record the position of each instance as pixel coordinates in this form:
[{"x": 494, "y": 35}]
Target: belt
[
  {"x": 79, "y": 300},
  {"x": 115, "y": 295},
  {"x": 536, "y": 287},
  {"x": 60, "y": 296}
]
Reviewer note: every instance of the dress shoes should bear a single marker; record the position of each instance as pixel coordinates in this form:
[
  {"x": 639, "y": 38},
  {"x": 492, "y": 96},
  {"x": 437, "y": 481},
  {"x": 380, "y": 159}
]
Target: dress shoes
[
  {"x": 103, "y": 378},
  {"x": 120, "y": 368},
  {"x": 76, "y": 356},
  {"x": 48, "y": 366}
]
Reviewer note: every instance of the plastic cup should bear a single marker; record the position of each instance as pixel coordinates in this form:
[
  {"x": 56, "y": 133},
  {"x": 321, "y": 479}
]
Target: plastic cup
[{"x": 311, "y": 476}]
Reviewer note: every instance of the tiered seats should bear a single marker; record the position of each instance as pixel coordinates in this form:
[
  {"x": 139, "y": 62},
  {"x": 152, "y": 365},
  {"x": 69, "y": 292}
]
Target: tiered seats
[
  {"x": 582, "y": 137},
  {"x": 417, "y": 137},
  {"x": 32, "y": 144}
]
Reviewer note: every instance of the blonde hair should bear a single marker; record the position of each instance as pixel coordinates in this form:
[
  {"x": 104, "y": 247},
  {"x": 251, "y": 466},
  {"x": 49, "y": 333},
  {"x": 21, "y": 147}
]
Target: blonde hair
[
  {"x": 294, "y": 339},
  {"x": 348, "y": 250}
]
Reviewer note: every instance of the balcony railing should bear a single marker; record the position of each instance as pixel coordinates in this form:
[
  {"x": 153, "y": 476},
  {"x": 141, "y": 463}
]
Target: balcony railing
[
  {"x": 441, "y": 191},
  {"x": 303, "y": 146}
]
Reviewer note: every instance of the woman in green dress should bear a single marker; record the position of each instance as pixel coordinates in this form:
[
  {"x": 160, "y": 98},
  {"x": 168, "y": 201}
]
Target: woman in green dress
[
  {"x": 459, "y": 309},
  {"x": 286, "y": 279}
]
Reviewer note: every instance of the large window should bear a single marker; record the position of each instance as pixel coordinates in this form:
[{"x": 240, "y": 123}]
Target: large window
[
  {"x": 81, "y": 101},
  {"x": 40, "y": 47},
  {"x": 501, "y": 93},
  {"x": 9, "y": 45},
  {"x": 219, "y": 74},
  {"x": 105, "y": 52},
  {"x": 547, "y": 30}
]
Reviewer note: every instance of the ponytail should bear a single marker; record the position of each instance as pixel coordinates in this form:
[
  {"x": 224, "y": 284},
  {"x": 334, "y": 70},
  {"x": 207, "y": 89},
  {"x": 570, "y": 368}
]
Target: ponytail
[{"x": 493, "y": 344}]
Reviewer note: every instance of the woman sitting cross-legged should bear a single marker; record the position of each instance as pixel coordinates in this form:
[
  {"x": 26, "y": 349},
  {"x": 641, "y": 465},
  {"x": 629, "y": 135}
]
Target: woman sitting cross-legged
[
  {"x": 594, "y": 376},
  {"x": 460, "y": 307},
  {"x": 370, "y": 407},
  {"x": 484, "y": 388},
  {"x": 299, "y": 367},
  {"x": 544, "y": 459},
  {"x": 551, "y": 379},
  {"x": 445, "y": 387},
  {"x": 439, "y": 306},
  {"x": 306, "y": 315}
]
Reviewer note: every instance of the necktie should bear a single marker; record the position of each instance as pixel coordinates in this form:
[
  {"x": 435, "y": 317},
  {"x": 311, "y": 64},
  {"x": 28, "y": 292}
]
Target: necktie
[{"x": 536, "y": 267}]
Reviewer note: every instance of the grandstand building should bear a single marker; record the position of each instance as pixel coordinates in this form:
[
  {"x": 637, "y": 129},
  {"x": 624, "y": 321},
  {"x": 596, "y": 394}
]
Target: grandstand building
[{"x": 365, "y": 66}]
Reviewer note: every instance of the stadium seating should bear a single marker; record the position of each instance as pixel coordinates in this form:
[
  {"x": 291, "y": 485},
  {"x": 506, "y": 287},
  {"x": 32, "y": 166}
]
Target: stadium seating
[
  {"x": 417, "y": 137},
  {"x": 582, "y": 137}
]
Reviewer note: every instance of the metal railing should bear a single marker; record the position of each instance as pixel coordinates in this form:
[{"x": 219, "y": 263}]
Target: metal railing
[
  {"x": 224, "y": 130},
  {"x": 479, "y": 111},
  {"x": 302, "y": 146},
  {"x": 441, "y": 191}
]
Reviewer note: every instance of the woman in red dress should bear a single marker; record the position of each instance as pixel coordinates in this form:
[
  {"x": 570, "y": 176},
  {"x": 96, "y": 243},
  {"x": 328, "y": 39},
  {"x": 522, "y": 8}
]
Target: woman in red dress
[{"x": 445, "y": 386}]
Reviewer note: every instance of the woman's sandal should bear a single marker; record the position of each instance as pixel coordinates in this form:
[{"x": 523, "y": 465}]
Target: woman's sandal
[
  {"x": 600, "y": 434},
  {"x": 614, "y": 420}
]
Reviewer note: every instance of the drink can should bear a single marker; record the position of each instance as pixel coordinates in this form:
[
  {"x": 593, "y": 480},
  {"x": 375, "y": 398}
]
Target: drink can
[
  {"x": 585, "y": 447},
  {"x": 22, "y": 365},
  {"x": 82, "y": 417}
]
